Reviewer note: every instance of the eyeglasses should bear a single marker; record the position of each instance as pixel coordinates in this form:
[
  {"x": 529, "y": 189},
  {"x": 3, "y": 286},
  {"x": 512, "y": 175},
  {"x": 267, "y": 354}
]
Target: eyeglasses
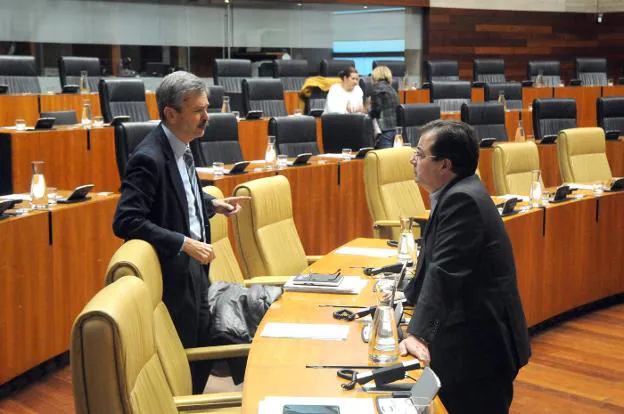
[{"x": 419, "y": 153}]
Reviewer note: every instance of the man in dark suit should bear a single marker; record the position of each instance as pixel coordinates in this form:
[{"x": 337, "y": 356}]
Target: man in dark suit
[
  {"x": 468, "y": 320},
  {"x": 162, "y": 203}
]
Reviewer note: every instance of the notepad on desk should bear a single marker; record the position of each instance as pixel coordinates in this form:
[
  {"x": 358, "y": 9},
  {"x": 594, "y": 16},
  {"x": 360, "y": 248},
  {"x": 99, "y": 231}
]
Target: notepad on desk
[
  {"x": 273, "y": 405},
  {"x": 350, "y": 285},
  {"x": 328, "y": 332},
  {"x": 367, "y": 251}
]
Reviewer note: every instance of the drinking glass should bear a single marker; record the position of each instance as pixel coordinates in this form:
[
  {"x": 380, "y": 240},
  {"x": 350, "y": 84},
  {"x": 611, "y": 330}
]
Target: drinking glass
[
  {"x": 270, "y": 155},
  {"x": 51, "y": 196},
  {"x": 84, "y": 83},
  {"x": 398, "y": 137},
  {"x": 20, "y": 125},
  {"x": 535, "y": 194},
  {"x": 86, "y": 114},
  {"x": 218, "y": 169},
  {"x": 297, "y": 112},
  {"x": 418, "y": 405},
  {"x": 346, "y": 154},
  {"x": 236, "y": 114},
  {"x": 98, "y": 121},
  {"x": 38, "y": 189},
  {"x": 282, "y": 161}
]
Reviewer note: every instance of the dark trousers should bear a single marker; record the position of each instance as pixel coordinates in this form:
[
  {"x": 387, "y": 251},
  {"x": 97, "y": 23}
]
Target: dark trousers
[
  {"x": 191, "y": 317},
  {"x": 385, "y": 139},
  {"x": 484, "y": 395}
]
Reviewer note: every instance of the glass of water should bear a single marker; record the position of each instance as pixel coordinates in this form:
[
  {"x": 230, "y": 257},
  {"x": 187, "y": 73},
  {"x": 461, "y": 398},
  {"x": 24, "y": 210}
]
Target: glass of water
[
  {"x": 218, "y": 169},
  {"x": 346, "y": 154}
]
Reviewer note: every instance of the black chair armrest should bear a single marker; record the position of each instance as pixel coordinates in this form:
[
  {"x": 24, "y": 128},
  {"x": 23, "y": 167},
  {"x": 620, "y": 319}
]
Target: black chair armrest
[
  {"x": 70, "y": 88},
  {"x": 575, "y": 82},
  {"x": 527, "y": 83},
  {"x": 478, "y": 84},
  {"x": 4, "y": 88},
  {"x": 426, "y": 85}
]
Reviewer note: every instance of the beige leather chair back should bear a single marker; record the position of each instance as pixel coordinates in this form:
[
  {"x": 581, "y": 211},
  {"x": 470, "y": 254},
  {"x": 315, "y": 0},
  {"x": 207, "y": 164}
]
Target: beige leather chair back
[
  {"x": 512, "y": 163},
  {"x": 224, "y": 267},
  {"x": 582, "y": 155},
  {"x": 138, "y": 258},
  {"x": 391, "y": 191},
  {"x": 114, "y": 363},
  {"x": 265, "y": 230}
]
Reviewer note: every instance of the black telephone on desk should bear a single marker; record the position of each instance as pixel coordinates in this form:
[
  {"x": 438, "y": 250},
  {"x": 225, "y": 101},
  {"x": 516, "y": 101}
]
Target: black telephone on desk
[{"x": 79, "y": 194}]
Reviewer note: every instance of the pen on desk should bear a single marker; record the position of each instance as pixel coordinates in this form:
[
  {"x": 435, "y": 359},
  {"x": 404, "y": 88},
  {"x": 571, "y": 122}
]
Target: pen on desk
[{"x": 342, "y": 306}]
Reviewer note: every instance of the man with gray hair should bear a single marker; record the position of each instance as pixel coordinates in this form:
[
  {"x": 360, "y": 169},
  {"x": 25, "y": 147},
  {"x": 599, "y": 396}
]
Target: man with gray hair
[{"x": 162, "y": 203}]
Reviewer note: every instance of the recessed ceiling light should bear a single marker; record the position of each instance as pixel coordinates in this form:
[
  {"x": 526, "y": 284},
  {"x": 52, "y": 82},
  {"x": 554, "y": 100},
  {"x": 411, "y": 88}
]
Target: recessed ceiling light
[{"x": 366, "y": 7}]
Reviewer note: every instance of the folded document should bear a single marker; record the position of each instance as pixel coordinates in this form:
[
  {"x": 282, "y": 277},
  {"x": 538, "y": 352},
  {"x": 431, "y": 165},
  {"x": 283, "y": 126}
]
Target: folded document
[{"x": 349, "y": 285}]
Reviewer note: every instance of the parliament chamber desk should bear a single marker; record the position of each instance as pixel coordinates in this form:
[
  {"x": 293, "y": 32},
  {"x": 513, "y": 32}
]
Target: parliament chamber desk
[
  {"x": 53, "y": 262},
  {"x": 277, "y": 366},
  {"x": 559, "y": 267},
  {"x": 73, "y": 156}
]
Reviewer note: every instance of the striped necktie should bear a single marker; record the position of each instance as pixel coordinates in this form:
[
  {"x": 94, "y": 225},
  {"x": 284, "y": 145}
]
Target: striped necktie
[{"x": 190, "y": 168}]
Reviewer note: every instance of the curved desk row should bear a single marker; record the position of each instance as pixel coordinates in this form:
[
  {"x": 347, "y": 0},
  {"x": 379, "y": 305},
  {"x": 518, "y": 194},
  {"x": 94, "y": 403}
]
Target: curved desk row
[{"x": 567, "y": 255}]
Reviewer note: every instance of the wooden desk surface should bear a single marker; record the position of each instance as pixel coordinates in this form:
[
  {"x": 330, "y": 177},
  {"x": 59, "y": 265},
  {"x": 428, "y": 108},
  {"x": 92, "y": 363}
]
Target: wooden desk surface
[
  {"x": 276, "y": 366},
  {"x": 53, "y": 262}
]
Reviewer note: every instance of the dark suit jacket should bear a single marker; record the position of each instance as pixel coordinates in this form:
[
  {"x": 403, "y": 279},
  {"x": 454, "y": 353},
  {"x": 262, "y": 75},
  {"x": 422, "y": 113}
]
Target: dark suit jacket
[
  {"x": 467, "y": 305},
  {"x": 153, "y": 208}
]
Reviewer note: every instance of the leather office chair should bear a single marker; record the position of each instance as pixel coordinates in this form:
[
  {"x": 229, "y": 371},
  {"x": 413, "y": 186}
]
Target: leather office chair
[
  {"x": 116, "y": 359},
  {"x": 62, "y": 117},
  {"x": 215, "y": 98},
  {"x": 123, "y": 97},
  {"x": 219, "y": 142},
  {"x": 450, "y": 95},
  {"x": 225, "y": 267},
  {"x": 264, "y": 94},
  {"x": 411, "y": 117},
  {"x": 611, "y": 113},
  {"x": 397, "y": 67},
  {"x": 512, "y": 163},
  {"x": 139, "y": 259},
  {"x": 340, "y": 131},
  {"x": 487, "y": 119},
  {"x": 442, "y": 70},
  {"x": 127, "y": 136},
  {"x": 70, "y": 68},
  {"x": 511, "y": 90},
  {"x": 391, "y": 191},
  {"x": 316, "y": 101},
  {"x": 230, "y": 73},
  {"x": 331, "y": 67},
  {"x": 591, "y": 71},
  {"x": 294, "y": 135},
  {"x": 489, "y": 70},
  {"x": 156, "y": 69},
  {"x": 582, "y": 157},
  {"x": 292, "y": 73},
  {"x": 265, "y": 230},
  {"x": 551, "y": 71},
  {"x": 552, "y": 115},
  {"x": 19, "y": 73}
]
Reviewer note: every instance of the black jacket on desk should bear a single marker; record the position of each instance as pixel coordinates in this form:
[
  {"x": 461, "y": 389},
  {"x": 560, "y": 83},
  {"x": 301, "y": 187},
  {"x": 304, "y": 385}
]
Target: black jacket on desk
[
  {"x": 467, "y": 305},
  {"x": 153, "y": 207}
]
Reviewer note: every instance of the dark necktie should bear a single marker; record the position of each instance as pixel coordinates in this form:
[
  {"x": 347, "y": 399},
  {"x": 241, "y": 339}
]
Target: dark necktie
[{"x": 190, "y": 168}]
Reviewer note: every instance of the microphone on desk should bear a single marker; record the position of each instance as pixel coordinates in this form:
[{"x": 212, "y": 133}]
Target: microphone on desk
[{"x": 383, "y": 375}]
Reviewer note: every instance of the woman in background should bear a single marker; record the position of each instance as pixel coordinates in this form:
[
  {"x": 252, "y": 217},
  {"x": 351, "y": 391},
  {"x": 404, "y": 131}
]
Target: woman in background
[
  {"x": 383, "y": 106},
  {"x": 346, "y": 96}
]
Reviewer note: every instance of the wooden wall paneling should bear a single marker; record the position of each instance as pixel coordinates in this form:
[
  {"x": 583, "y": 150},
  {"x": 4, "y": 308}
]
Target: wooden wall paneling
[
  {"x": 253, "y": 136},
  {"x": 417, "y": 96},
  {"x": 615, "y": 155},
  {"x": 82, "y": 245},
  {"x": 14, "y": 107},
  {"x": 451, "y": 116},
  {"x": 28, "y": 312},
  {"x": 104, "y": 172},
  {"x": 520, "y": 36},
  {"x": 525, "y": 232},
  {"x": 586, "y": 97},
  {"x": 486, "y": 170},
  {"x": 152, "y": 106},
  {"x": 512, "y": 119},
  {"x": 527, "y": 123},
  {"x": 570, "y": 243},
  {"x": 549, "y": 164},
  {"x": 354, "y": 217},
  {"x": 477, "y": 95},
  {"x": 316, "y": 217},
  {"x": 292, "y": 102},
  {"x": 69, "y": 102}
]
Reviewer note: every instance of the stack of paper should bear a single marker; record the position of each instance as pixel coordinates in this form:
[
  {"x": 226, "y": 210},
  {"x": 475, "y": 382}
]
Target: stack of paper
[
  {"x": 351, "y": 285},
  {"x": 273, "y": 405},
  {"x": 328, "y": 332},
  {"x": 367, "y": 251}
]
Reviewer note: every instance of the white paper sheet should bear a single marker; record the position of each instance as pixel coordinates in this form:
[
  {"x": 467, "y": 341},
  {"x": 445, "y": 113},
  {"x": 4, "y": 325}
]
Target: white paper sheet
[
  {"x": 367, "y": 251},
  {"x": 204, "y": 170},
  {"x": 275, "y": 405},
  {"x": 349, "y": 285},
  {"x": 328, "y": 332},
  {"x": 20, "y": 197}
]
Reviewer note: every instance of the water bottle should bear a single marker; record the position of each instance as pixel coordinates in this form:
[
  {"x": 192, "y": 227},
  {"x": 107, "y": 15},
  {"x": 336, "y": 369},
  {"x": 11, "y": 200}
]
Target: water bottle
[
  {"x": 398, "y": 137},
  {"x": 383, "y": 345},
  {"x": 539, "y": 79},
  {"x": 535, "y": 195},
  {"x": 225, "y": 108},
  {"x": 270, "y": 157},
  {"x": 520, "y": 136},
  {"x": 406, "y": 248},
  {"x": 84, "y": 81},
  {"x": 38, "y": 189},
  {"x": 502, "y": 100},
  {"x": 86, "y": 114}
]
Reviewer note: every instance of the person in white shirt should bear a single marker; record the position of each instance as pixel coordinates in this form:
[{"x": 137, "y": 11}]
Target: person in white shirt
[{"x": 346, "y": 96}]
